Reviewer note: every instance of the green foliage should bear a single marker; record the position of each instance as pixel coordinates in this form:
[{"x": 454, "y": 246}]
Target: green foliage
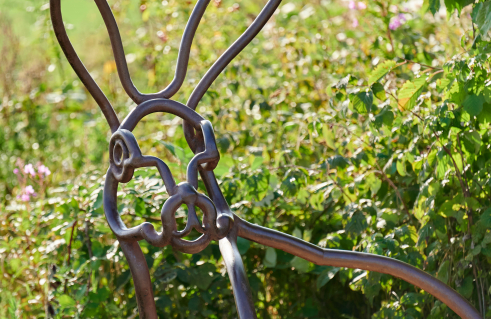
[{"x": 362, "y": 129}]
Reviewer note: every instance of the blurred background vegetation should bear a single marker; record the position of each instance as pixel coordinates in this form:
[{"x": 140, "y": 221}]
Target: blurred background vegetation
[{"x": 353, "y": 125}]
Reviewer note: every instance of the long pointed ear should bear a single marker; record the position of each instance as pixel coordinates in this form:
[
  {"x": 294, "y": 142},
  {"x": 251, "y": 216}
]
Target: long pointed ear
[
  {"x": 227, "y": 56},
  {"x": 79, "y": 67},
  {"x": 220, "y": 64},
  {"x": 182, "y": 60}
]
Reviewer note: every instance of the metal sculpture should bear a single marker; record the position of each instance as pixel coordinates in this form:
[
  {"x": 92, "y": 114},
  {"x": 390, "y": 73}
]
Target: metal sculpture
[{"x": 219, "y": 223}]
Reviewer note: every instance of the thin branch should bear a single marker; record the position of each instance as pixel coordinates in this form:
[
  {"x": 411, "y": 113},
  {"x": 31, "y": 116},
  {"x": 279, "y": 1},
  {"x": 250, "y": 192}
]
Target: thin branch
[
  {"x": 422, "y": 64},
  {"x": 69, "y": 252},
  {"x": 89, "y": 248}
]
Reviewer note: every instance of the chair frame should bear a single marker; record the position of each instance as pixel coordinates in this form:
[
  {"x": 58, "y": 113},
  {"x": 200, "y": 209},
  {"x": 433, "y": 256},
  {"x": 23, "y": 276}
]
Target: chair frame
[{"x": 219, "y": 223}]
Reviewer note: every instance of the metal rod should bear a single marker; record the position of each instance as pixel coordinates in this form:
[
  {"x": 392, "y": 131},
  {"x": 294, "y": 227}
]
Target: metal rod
[
  {"x": 141, "y": 279},
  {"x": 238, "y": 277},
  {"x": 227, "y": 56},
  {"x": 358, "y": 260},
  {"x": 79, "y": 67},
  {"x": 120, "y": 58},
  {"x": 220, "y": 64}
]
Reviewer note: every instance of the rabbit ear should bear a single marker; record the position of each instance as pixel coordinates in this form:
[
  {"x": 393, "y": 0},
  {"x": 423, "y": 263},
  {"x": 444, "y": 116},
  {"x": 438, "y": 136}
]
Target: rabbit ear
[
  {"x": 182, "y": 60},
  {"x": 220, "y": 64},
  {"x": 78, "y": 66},
  {"x": 232, "y": 52}
]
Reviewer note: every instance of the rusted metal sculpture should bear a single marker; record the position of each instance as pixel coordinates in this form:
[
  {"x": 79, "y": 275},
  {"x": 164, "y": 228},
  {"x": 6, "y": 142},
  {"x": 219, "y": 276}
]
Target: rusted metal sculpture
[{"x": 219, "y": 223}]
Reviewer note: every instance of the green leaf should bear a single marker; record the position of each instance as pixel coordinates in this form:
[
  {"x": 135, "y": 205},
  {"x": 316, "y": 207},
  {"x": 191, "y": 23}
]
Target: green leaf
[
  {"x": 297, "y": 233},
  {"x": 401, "y": 168},
  {"x": 425, "y": 232},
  {"x": 443, "y": 271},
  {"x": 270, "y": 257},
  {"x": 481, "y": 15},
  {"x": 458, "y": 5},
  {"x": 473, "y": 104},
  {"x": 202, "y": 278},
  {"x": 140, "y": 207},
  {"x": 379, "y": 91},
  {"x": 66, "y": 301},
  {"x": 362, "y": 102},
  {"x": 356, "y": 224},
  {"x": 243, "y": 245},
  {"x": 486, "y": 218},
  {"x": 341, "y": 85},
  {"x": 100, "y": 296},
  {"x": 409, "y": 93},
  {"x": 337, "y": 161},
  {"x": 380, "y": 71},
  {"x": 300, "y": 264},
  {"x": 472, "y": 141},
  {"x": 456, "y": 93},
  {"x": 258, "y": 161},
  {"x": 466, "y": 287},
  {"x": 328, "y": 136},
  {"x": 326, "y": 275},
  {"x": 98, "y": 201},
  {"x": 434, "y": 6}
]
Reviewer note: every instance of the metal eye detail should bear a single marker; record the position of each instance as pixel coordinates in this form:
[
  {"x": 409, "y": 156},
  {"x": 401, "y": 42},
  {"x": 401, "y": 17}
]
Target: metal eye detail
[{"x": 124, "y": 155}]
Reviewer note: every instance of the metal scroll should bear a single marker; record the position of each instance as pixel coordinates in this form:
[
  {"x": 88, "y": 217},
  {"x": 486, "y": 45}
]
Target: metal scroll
[{"x": 219, "y": 223}]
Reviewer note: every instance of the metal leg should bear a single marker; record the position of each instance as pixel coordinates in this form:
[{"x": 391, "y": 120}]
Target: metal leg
[
  {"x": 238, "y": 277},
  {"x": 141, "y": 279}
]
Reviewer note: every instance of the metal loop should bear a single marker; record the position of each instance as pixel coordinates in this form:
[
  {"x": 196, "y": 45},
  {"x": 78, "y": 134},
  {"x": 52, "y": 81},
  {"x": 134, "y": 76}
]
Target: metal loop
[
  {"x": 120, "y": 58},
  {"x": 79, "y": 67}
]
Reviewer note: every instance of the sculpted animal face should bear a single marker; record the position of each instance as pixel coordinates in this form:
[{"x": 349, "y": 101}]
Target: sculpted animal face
[{"x": 126, "y": 156}]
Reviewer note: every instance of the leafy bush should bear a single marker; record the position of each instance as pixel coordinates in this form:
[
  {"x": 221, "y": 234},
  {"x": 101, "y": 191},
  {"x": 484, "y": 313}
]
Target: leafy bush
[{"x": 353, "y": 125}]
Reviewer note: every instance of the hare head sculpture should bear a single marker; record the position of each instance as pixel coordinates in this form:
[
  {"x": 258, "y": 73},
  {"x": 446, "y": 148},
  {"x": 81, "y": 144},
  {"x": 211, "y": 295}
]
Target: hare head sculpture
[{"x": 218, "y": 223}]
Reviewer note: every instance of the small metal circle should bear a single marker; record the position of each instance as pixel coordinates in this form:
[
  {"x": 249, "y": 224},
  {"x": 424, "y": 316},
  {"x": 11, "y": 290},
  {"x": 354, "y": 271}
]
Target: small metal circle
[{"x": 118, "y": 152}]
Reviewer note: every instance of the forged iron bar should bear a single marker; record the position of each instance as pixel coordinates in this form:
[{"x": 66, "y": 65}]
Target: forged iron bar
[
  {"x": 79, "y": 67},
  {"x": 219, "y": 223},
  {"x": 120, "y": 58},
  {"x": 358, "y": 260},
  {"x": 220, "y": 64}
]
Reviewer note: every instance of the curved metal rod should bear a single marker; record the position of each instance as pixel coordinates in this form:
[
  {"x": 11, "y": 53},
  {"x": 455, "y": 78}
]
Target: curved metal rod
[
  {"x": 182, "y": 59},
  {"x": 220, "y": 64},
  {"x": 232, "y": 52},
  {"x": 353, "y": 259},
  {"x": 225, "y": 217},
  {"x": 237, "y": 276},
  {"x": 165, "y": 106},
  {"x": 141, "y": 279},
  {"x": 79, "y": 67}
]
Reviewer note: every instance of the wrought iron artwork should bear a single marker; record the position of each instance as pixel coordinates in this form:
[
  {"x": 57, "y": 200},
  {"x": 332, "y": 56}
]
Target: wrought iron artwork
[{"x": 219, "y": 223}]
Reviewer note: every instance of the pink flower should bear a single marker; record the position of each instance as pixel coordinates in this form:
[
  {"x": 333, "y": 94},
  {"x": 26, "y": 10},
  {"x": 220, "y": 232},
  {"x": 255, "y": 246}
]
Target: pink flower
[
  {"x": 393, "y": 25},
  {"x": 16, "y": 171},
  {"x": 397, "y": 21},
  {"x": 352, "y": 5},
  {"x": 28, "y": 169},
  {"x": 362, "y": 6},
  {"x": 29, "y": 190},
  {"x": 43, "y": 170},
  {"x": 355, "y": 23},
  {"x": 25, "y": 197}
]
